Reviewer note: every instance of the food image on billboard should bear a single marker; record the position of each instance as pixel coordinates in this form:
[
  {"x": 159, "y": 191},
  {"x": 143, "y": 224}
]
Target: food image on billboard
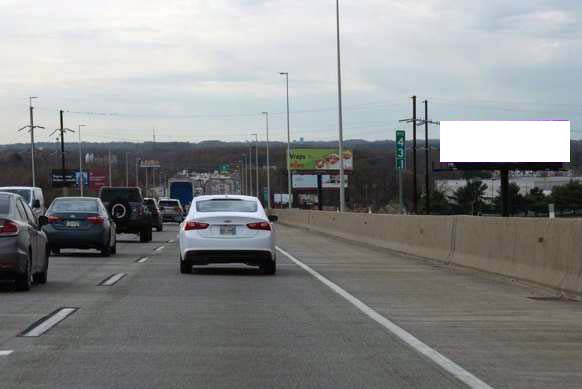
[
  {"x": 542, "y": 141},
  {"x": 319, "y": 159}
]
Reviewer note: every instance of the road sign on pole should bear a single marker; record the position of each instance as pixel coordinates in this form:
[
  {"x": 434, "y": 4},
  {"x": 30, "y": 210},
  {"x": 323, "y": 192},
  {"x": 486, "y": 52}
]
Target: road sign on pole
[
  {"x": 400, "y": 149},
  {"x": 400, "y": 163}
]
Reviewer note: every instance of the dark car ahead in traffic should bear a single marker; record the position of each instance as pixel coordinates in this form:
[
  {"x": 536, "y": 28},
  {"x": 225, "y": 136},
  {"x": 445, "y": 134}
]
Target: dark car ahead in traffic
[
  {"x": 24, "y": 248},
  {"x": 152, "y": 205},
  {"x": 171, "y": 210},
  {"x": 80, "y": 223},
  {"x": 126, "y": 207}
]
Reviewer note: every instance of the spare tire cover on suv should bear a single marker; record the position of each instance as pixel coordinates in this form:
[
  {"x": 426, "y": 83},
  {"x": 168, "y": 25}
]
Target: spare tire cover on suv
[{"x": 119, "y": 210}]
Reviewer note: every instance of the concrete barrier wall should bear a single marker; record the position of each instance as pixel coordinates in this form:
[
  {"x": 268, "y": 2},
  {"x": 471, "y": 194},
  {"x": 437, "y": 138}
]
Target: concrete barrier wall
[{"x": 544, "y": 251}]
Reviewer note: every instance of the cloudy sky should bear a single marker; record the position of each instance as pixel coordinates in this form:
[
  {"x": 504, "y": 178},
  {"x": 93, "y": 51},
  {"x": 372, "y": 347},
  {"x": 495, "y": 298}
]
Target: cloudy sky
[{"x": 197, "y": 70}]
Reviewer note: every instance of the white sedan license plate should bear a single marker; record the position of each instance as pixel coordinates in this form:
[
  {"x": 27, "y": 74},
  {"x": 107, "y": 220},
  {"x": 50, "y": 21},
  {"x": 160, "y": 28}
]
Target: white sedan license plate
[
  {"x": 73, "y": 224},
  {"x": 227, "y": 230}
]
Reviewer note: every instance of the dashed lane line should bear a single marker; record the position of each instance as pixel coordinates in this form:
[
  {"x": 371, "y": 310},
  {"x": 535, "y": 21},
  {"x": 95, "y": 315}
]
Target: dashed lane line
[
  {"x": 112, "y": 279},
  {"x": 422, "y": 348},
  {"x": 43, "y": 325}
]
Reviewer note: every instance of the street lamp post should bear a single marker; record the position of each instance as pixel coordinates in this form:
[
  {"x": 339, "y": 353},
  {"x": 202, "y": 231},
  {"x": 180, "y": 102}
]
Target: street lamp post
[
  {"x": 340, "y": 116},
  {"x": 243, "y": 175},
  {"x": 268, "y": 162},
  {"x": 81, "y": 180},
  {"x": 257, "y": 163},
  {"x": 286, "y": 74},
  {"x": 250, "y": 165}
]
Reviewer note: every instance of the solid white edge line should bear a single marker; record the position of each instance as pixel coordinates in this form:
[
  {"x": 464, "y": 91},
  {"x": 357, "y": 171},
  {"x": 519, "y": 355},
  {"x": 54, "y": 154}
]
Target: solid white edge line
[
  {"x": 144, "y": 259},
  {"x": 50, "y": 322},
  {"x": 113, "y": 279},
  {"x": 160, "y": 248},
  {"x": 4, "y": 353},
  {"x": 439, "y": 359}
]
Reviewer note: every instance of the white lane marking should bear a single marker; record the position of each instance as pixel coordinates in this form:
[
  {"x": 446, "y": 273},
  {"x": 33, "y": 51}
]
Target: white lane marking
[
  {"x": 48, "y": 322},
  {"x": 442, "y": 361},
  {"x": 143, "y": 259},
  {"x": 4, "y": 353},
  {"x": 160, "y": 248},
  {"x": 171, "y": 241},
  {"x": 113, "y": 279}
]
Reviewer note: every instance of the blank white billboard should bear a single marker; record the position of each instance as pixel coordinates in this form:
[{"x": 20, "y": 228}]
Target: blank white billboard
[{"x": 505, "y": 141}]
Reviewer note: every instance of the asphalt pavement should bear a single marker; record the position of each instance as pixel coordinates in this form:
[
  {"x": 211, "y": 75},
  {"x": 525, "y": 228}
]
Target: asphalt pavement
[
  {"x": 227, "y": 327},
  {"x": 132, "y": 320}
]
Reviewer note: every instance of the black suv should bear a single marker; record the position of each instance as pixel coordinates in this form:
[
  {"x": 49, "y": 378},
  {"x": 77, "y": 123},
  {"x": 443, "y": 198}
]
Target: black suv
[{"x": 127, "y": 209}]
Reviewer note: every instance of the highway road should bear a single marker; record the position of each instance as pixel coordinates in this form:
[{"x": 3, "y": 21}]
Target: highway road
[{"x": 336, "y": 315}]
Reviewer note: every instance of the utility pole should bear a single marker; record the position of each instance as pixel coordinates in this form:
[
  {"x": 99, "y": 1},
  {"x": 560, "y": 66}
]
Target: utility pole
[
  {"x": 414, "y": 122},
  {"x": 426, "y": 122},
  {"x": 62, "y": 130},
  {"x": 426, "y": 160},
  {"x": 268, "y": 163},
  {"x": 31, "y": 128},
  {"x": 340, "y": 115},
  {"x": 81, "y": 180},
  {"x": 414, "y": 185},
  {"x": 290, "y": 189}
]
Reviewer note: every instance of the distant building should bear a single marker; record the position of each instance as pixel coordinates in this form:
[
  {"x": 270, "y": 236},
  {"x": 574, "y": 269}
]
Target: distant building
[{"x": 525, "y": 183}]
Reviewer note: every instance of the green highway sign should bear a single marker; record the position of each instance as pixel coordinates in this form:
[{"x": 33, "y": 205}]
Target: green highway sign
[
  {"x": 224, "y": 168},
  {"x": 400, "y": 149}
]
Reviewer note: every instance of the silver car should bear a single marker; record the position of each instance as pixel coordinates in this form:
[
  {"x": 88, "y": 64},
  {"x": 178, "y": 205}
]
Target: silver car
[
  {"x": 171, "y": 210},
  {"x": 24, "y": 247}
]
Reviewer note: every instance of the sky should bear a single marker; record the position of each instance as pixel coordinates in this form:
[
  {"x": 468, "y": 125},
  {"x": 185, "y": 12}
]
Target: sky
[{"x": 198, "y": 70}]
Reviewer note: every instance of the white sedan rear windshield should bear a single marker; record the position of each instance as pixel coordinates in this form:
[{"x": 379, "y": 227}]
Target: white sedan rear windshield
[{"x": 226, "y": 205}]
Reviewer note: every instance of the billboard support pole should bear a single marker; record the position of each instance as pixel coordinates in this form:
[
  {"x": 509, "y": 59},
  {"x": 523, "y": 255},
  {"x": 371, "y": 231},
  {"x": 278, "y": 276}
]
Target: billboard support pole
[
  {"x": 505, "y": 192},
  {"x": 400, "y": 194}
]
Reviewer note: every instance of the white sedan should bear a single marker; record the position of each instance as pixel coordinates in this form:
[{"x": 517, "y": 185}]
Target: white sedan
[{"x": 227, "y": 229}]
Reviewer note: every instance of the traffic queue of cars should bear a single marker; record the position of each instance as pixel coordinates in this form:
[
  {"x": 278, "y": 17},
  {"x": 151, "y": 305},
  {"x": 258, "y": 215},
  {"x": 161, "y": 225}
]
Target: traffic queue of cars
[
  {"x": 29, "y": 234},
  {"x": 217, "y": 229}
]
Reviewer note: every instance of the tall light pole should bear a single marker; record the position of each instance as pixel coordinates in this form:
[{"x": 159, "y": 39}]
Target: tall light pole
[
  {"x": 288, "y": 141},
  {"x": 31, "y": 128},
  {"x": 257, "y": 163},
  {"x": 81, "y": 180},
  {"x": 340, "y": 116},
  {"x": 240, "y": 176},
  {"x": 243, "y": 178},
  {"x": 109, "y": 161},
  {"x": 268, "y": 162},
  {"x": 250, "y": 169},
  {"x": 127, "y": 169}
]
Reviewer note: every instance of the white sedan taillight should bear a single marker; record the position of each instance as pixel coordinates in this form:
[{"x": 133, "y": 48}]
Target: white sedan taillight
[
  {"x": 192, "y": 225},
  {"x": 260, "y": 226}
]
